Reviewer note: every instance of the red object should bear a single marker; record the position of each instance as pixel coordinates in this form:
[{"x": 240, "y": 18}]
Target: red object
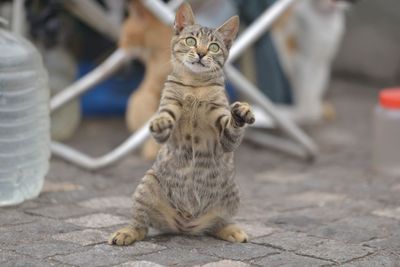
[{"x": 390, "y": 98}]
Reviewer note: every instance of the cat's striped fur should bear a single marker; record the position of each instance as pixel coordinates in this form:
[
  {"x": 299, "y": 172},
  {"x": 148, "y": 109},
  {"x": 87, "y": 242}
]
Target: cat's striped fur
[{"x": 190, "y": 188}]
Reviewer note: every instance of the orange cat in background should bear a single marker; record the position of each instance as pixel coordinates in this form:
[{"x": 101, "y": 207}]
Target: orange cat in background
[{"x": 143, "y": 30}]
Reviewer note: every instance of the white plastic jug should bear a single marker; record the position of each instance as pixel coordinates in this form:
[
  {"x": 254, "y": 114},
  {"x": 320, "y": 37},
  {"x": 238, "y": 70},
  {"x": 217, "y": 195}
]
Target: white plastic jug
[
  {"x": 24, "y": 120},
  {"x": 386, "y": 145}
]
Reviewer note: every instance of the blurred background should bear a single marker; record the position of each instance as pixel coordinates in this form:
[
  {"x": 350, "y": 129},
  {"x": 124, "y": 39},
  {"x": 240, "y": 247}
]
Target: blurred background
[
  {"x": 369, "y": 52},
  {"x": 312, "y": 53}
]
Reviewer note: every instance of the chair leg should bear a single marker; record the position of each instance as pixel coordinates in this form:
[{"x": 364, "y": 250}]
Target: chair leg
[
  {"x": 102, "y": 72},
  {"x": 255, "y": 95},
  {"x": 84, "y": 161}
]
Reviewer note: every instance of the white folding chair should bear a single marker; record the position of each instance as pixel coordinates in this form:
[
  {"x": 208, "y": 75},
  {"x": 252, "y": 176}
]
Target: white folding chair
[{"x": 301, "y": 146}]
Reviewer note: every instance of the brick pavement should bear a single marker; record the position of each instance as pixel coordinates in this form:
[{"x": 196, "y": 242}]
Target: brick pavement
[{"x": 334, "y": 212}]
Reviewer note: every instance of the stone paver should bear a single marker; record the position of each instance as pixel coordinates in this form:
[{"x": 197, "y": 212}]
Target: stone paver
[
  {"x": 358, "y": 229},
  {"x": 245, "y": 251},
  {"x": 336, "y": 251},
  {"x": 59, "y": 187},
  {"x": 335, "y": 211},
  {"x": 391, "y": 213},
  {"x": 106, "y": 255},
  {"x": 382, "y": 259},
  {"x": 13, "y": 259},
  {"x": 84, "y": 237},
  {"x": 185, "y": 242},
  {"x": 288, "y": 259},
  {"x": 390, "y": 243},
  {"x": 178, "y": 257},
  {"x": 13, "y": 217},
  {"x": 47, "y": 249},
  {"x": 316, "y": 198},
  {"x": 289, "y": 241},
  {"x": 98, "y": 220},
  {"x": 309, "y": 218},
  {"x": 396, "y": 188},
  {"x": 256, "y": 229},
  {"x": 226, "y": 263},
  {"x": 108, "y": 202},
  {"x": 39, "y": 230},
  {"x": 281, "y": 177},
  {"x": 303, "y": 244},
  {"x": 139, "y": 264},
  {"x": 7, "y": 255},
  {"x": 60, "y": 211},
  {"x": 22, "y": 262}
]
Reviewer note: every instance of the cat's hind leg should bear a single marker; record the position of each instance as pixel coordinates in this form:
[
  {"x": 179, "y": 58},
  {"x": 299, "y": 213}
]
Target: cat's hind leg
[
  {"x": 231, "y": 232},
  {"x": 146, "y": 200},
  {"x": 127, "y": 235}
]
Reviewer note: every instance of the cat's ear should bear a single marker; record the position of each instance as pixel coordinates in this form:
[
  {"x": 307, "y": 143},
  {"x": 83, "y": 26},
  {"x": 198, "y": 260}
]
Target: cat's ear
[
  {"x": 229, "y": 30},
  {"x": 184, "y": 17}
]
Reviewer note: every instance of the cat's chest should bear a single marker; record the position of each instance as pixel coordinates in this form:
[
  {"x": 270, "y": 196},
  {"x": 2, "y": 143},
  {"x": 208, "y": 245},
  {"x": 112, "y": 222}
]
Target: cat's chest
[
  {"x": 195, "y": 103},
  {"x": 196, "y": 95}
]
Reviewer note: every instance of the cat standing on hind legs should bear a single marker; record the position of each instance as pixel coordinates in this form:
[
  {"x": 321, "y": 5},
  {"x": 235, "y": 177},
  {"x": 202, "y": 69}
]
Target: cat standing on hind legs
[{"x": 190, "y": 188}]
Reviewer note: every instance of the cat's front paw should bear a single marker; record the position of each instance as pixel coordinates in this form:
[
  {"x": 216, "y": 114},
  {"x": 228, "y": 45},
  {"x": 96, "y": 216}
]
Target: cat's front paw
[
  {"x": 161, "y": 127},
  {"x": 241, "y": 113}
]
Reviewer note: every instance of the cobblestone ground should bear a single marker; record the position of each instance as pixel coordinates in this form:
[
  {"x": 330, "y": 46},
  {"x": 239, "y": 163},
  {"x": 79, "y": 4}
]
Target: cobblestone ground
[{"x": 334, "y": 212}]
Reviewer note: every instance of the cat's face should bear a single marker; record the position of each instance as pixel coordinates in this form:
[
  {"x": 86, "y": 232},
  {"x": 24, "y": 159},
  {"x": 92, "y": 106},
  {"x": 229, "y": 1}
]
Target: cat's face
[{"x": 201, "y": 49}]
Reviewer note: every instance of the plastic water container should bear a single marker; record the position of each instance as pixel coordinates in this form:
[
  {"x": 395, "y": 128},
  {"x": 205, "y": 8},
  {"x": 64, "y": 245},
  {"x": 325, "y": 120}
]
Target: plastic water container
[
  {"x": 24, "y": 120},
  {"x": 386, "y": 145}
]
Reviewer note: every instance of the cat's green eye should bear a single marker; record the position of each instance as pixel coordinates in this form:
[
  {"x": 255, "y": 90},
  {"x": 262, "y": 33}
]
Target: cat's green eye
[
  {"x": 190, "y": 41},
  {"x": 213, "y": 47}
]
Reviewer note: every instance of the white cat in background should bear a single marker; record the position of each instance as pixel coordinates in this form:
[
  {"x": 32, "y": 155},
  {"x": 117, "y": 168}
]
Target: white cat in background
[{"x": 307, "y": 39}]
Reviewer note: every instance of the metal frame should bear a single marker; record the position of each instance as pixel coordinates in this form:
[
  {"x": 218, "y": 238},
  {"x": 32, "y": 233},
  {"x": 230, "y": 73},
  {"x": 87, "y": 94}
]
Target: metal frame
[
  {"x": 17, "y": 16},
  {"x": 92, "y": 13},
  {"x": 303, "y": 147}
]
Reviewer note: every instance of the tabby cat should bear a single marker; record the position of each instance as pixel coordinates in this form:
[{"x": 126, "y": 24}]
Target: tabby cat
[{"x": 190, "y": 189}]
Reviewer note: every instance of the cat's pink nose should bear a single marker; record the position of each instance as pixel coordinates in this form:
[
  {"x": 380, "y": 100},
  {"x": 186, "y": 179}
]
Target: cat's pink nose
[{"x": 201, "y": 54}]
